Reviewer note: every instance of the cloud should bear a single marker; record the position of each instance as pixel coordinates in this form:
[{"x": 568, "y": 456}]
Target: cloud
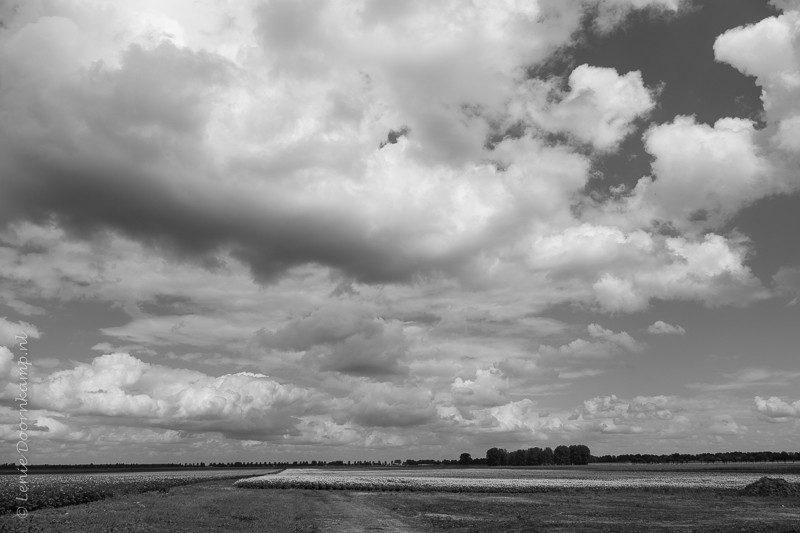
[
  {"x": 233, "y": 181},
  {"x": 659, "y": 327},
  {"x": 582, "y": 357},
  {"x": 383, "y": 405},
  {"x": 703, "y": 174},
  {"x": 140, "y": 393},
  {"x": 9, "y": 331},
  {"x": 6, "y": 361},
  {"x": 657, "y": 417},
  {"x": 516, "y": 417},
  {"x": 258, "y": 146},
  {"x": 640, "y": 407},
  {"x": 332, "y": 323},
  {"x": 344, "y": 337},
  {"x": 625, "y": 270},
  {"x": 726, "y": 425},
  {"x": 787, "y": 282},
  {"x": 156, "y": 98},
  {"x": 599, "y": 108},
  {"x": 488, "y": 388},
  {"x": 610, "y": 13},
  {"x": 768, "y": 50},
  {"x": 750, "y": 377},
  {"x": 775, "y": 407},
  {"x": 621, "y": 339}
]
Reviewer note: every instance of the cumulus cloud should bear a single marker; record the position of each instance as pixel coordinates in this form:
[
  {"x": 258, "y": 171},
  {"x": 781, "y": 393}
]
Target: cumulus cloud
[
  {"x": 657, "y": 417},
  {"x": 233, "y": 167},
  {"x": 488, "y": 388},
  {"x": 520, "y": 416},
  {"x": 621, "y": 339},
  {"x": 775, "y": 407},
  {"x": 769, "y": 51},
  {"x": 12, "y": 332},
  {"x": 625, "y": 270},
  {"x": 599, "y": 108},
  {"x": 581, "y": 357},
  {"x": 659, "y": 327},
  {"x": 119, "y": 385},
  {"x": 704, "y": 174},
  {"x": 640, "y": 407},
  {"x": 216, "y": 174},
  {"x": 726, "y": 425}
]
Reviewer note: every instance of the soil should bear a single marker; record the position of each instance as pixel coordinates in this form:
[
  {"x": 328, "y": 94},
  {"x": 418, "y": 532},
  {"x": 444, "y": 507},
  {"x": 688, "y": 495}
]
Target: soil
[{"x": 768, "y": 486}]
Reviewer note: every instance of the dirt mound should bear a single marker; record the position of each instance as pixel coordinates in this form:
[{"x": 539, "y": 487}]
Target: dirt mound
[{"x": 769, "y": 486}]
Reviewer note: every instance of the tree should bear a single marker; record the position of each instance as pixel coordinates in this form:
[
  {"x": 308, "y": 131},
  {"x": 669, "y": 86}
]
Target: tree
[
  {"x": 503, "y": 457},
  {"x": 583, "y": 454},
  {"x": 561, "y": 455},
  {"x": 533, "y": 457},
  {"x": 493, "y": 457},
  {"x": 465, "y": 459},
  {"x": 547, "y": 456}
]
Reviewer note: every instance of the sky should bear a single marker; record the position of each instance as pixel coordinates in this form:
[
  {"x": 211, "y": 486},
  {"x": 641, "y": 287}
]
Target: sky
[{"x": 378, "y": 230}]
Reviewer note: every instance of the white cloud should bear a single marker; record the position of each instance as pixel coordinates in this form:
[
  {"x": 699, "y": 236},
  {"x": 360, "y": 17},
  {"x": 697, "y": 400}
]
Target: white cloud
[
  {"x": 488, "y": 388},
  {"x": 625, "y": 270},
  {"x": 584, "y": 358},
  {"x": 726, "y": 425},
  {"x": 659, "y": 327},
  {"x": 622, "y": 339},
  {"x": 599, "y": 108},
  {"x": 119, "y": 385},
  {"x": 704, "y": 174},
  {"x": 12, "y": 333},
  {"x": 775, "y": 407},
  {"x": 613, "y": 12},
  {"x": 769, "y": 51}
]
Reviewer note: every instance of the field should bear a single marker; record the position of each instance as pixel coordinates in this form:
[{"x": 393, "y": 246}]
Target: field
[
  {"x": 216, "y": 505},
  {"x": 58, "y": 490},
  {"x": 502, "y": 480}
]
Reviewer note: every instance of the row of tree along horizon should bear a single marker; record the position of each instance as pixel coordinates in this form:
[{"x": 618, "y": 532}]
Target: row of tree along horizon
[{"x": 536, "y": 456}]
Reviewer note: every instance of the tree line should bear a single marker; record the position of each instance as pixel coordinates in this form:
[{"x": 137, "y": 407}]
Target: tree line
[
  {"x": 709, "y": 458},
  {"x": 536, "y": 456},
  {"x": 575, "y": 454}
]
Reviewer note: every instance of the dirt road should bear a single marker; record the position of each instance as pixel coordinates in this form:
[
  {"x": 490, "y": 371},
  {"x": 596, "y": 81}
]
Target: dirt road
[{"x": 349, "y": 512}]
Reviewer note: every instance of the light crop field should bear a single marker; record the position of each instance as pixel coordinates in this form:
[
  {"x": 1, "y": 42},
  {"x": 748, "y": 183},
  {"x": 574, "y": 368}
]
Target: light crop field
[
  {"x": 57, "y": 490},
  {"x": 499, "y": 480}
]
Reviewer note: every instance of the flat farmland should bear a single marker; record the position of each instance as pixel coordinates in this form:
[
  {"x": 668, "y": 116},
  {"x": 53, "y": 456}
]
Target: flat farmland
[
  {"x": 58, "y": 490},
  {"x": 511, "y": 480},
  {"x": 217, "y": 505}
]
